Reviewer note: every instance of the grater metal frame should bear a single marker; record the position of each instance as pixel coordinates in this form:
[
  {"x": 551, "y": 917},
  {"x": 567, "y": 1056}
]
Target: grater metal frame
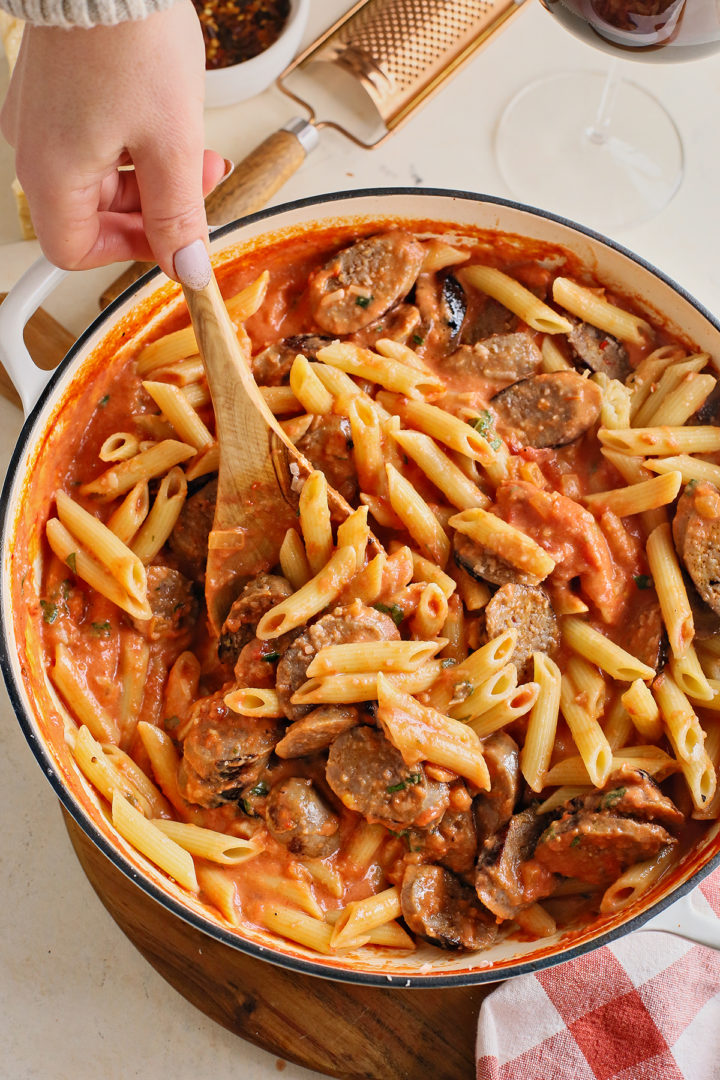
[{"x": 371, "y": 70}]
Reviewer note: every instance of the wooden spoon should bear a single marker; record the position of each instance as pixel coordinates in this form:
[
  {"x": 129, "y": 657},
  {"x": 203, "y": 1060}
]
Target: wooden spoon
[{"x": 256, "y": 500}]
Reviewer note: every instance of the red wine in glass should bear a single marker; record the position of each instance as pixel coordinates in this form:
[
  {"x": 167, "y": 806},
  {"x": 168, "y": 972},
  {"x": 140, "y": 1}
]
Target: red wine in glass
[{"x": 658, "y": 31}]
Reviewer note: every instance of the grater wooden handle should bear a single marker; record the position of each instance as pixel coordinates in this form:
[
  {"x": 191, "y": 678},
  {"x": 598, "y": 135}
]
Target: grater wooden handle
[{"x": 248, "y": 188}]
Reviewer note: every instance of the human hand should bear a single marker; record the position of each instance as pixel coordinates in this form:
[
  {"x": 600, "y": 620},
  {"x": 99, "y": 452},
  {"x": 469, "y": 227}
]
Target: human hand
[{"x": 81, "y": 104}]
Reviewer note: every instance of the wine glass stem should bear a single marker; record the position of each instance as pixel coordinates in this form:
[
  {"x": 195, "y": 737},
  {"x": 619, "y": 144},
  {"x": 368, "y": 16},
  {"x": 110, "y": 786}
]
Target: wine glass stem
[{"x": 598, "y": 131}]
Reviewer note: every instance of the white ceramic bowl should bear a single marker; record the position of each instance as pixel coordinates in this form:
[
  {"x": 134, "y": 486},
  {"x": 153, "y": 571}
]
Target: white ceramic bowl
[
  {"x": 50, "y": 400},
  {"x": 228, "y": 85}
]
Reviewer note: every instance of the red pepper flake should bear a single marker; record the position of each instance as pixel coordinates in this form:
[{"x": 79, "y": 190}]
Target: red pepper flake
[
  {"x": 237, "y": 30},
  {"x": 604, "y": 343}
]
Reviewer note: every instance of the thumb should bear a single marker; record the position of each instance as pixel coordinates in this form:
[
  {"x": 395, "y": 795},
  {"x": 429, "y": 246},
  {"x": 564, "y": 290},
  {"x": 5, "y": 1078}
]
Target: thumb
[{"x": 170, "y": 186}]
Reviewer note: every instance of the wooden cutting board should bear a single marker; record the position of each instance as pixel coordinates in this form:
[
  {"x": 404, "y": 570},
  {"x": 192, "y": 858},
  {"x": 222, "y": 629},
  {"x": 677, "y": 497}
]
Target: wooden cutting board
[
  {"x": 343, "y": 1030},
  {"x": 47, "y": 342}
]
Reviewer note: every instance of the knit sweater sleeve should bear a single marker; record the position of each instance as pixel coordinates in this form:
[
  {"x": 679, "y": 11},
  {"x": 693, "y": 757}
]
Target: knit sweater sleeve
[{"x": 84, "y": 13}]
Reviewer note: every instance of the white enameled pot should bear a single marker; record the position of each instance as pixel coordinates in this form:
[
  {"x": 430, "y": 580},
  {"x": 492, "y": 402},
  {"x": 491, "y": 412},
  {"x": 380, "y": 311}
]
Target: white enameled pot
[{"x": 670, "y": 905}]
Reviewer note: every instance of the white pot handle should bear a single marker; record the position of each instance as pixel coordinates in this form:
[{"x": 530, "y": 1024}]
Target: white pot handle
[
  {"x": 685, "y": 919},
  {"x": 20, "y": 303}
]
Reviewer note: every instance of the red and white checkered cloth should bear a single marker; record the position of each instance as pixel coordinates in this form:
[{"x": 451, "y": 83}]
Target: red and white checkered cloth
[{"x": 646, "y": 1007}]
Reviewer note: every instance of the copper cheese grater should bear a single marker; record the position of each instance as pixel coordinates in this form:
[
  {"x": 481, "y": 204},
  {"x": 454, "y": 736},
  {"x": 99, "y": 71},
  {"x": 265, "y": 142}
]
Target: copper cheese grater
[{"x": 394, "y": 54}]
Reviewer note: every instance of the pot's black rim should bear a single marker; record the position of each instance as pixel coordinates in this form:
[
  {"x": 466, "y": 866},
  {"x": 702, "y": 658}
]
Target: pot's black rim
[{"x": 308, "y": 967}]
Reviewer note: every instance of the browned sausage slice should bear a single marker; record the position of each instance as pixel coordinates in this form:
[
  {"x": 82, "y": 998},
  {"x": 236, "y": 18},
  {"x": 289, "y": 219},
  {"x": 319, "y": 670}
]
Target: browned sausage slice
[
  {"x": 696, "y": 531},
  {"x": 173, "y": 603},
  {"x": 548, "y": 410},
  {"x": 452, "y": 842},
  {"x": 494, "y": 808},
  {"x": 358, "y": 285},
  {"x": 527, "y": 609},
  {"x": 441, "y": 909},
  {"x": 189, "y": 538},
  {"x": 503, "y": 358},
  {"x": 631, "y": 792},
  {"x": 298, "y": 817},
  {"x": 598, "y": 847},
  {"x": 355, "y": 622},
  {"x": 369, "y": 776},
  {"x": 257, "y": 598},
  {"x": 317, "y": 730},
  {"x": 484, "y": 565},
  {"x": 328, "y": 446},
  {"x": 508, "y": 879},
  {"x": 271, "y": 367},
  {"x": 600, "y": 351}
]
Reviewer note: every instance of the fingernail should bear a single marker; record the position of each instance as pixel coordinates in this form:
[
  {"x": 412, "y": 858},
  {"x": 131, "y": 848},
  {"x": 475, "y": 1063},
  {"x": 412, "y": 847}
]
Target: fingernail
[
  {"x": 229, "y": 168},
  {"x": 192, "y": 265}
]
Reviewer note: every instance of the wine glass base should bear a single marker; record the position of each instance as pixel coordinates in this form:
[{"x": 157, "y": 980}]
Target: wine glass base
[{"x": 550, "y": 157}]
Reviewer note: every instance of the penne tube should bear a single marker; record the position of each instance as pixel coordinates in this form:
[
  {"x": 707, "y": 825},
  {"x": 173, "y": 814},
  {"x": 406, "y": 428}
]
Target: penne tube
[
  {"x": 396, "y": 350},
  {"x": 643, "y": 711},
  {"x": 115, "y": 556},
  {"x": 585, "y": 640},
  {"x": 563, "y": 795},
  {"x": 474, "y": 594},
  {"x": 326, "y": 875},
  {"x": 182, "y": 373},
  {"x": 587, "y": 734},
  {"x": 422, "y": 734},
  {"x": 349, "y": 689},
  {"x": 177, "y": 409},
  {"x": 455, "y": 632},
  {"x": 671, "y": 592},
  {"x": 297, "y": 426},
  {"x": 615, "y": 409},
  {"x": 431, "y": 614},
  {"x": 648, "y": 414},
  {"x": 308, "y": 389},
  {"x": 133, "y": 669},
  {"x": 636, "y": 498},
  {"x": 644, "y": 379},
  {"x": 542, "y": 722},
  {"x": 165, "y": 764},
  {"x": 119, "y": 447},
  {"x": 552, "y": 358},
  {"x": 281, "y": 400},
  {"x": 439, "y": 255},
  {"x": 65, "y": 546},
  {"x": 681, "y": 722},
  {"x": 712, "y": 703},
  {"x": 367, "y": 446},
  {"x": 516, "y": 298},
  {"x": 441, "y": 471},
  {"x": 635, "y": 881},
  {"x": 153, "y": 844},
  {"x": 592, "y": 308},
  {"x": 66, "y": 676},
  {"x": 380, "y": 509},
  {"x": 221, "y": 891},
  {"x": 207, "y": 461},
  {"x": 700, "y": 775},
  {"x": 147, "y": 465},
  {"x": 373, "y": 656},
  {"x": 130, "y": 771},
  {"x": 517, "y": 702},
  {"x": 354, "y": 532},
  {"x": 492, "y": 691},
  {"x": 367, "y": 584},
  {"x": 536, "y": 920},
  {"x": 130, "y": 514},
  {"x": 315, "y": 521},
  {"x": 504, "y": 540},
  {"x": 354, "y": 360},
  {"x": 690, "y": 468},
  {"x": 297, "y": 926},
  {"x": 293, "y": 560},
  {"x": 685, "y": 400},
  {"x": 662, "y": 441},
  {"x": 160, "y": 522},
  {"x": 217, "y": 847},
  {"x": 441, "y": 426},
  {"x": 651, "y": 759},
  {"x": 425, "y": 570},
  {"x": 361, "y": 916},
  {"x": 296, "y": 891},
  {"x": 181, "y": 688},
  {"x": 363, "y": 846},
  {"x": 589, "y": 683},
  {"x": 315, "y": 595},
  {"x": 690, "y": 677},
  {"x": 102, "y": 773},
  {"x": 487, "y": 659},
  {"x": 617, "y": 725},
  {"x": 250, "y": 701},
  {"x": 417, "y": 517}
]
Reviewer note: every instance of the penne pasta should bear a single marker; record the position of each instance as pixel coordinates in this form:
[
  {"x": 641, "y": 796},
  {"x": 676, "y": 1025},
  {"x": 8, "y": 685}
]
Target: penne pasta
[
  {"x": 643, "y": 711},
  {"x": 671, "y": 592},
  {"x": 585, "y": 640},
  {"x": 315, "y": 521},
  {"x": 362, "y": 685},
  {"x": 159, "y": 523},
  {"x": 153, "y": 844},
  {"x": 207, "y": 844},
  {"x": 177, "y": 409},
  {"x": 354, "y": 360},
  {"x": 417, "y": 517},
  {"x": 592, "y": 308},
  {"x": 516, "y": 298},
  {"x": 308, "y": 389},
  {"x": 311, "y": 598},
  {"x": 542, "y": 723},
  {"x": 130, "y": 514},
  {"x": 662, "y": 441},
  {"x": 373, "y": 656},
  {"x": 293, "y": 560},
  {"x": 441, "y": 471},
  {"x": 504, "y": 540},
  {"x": 637, "y": 498},
  {"x": 252, "y": 701}
]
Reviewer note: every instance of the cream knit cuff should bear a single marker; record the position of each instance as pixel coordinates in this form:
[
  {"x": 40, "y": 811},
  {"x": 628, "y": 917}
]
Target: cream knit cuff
[{"x": 85, "y": 13}]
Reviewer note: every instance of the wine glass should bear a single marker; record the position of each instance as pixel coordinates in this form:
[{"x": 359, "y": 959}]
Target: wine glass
[{"x": 597, "y": 147}]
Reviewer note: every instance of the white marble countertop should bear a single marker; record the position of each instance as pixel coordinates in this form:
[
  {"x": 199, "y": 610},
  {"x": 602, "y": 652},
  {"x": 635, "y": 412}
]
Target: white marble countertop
[{"x": 78, "y": 1001}]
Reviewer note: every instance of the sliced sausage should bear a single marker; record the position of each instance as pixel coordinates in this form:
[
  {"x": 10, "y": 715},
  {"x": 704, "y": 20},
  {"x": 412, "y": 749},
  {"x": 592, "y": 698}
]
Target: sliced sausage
[
  {"x": 630, "y": 792},
  {"x": 397, "y": 324},
  {"x": 442, "y": 305},
  {"x": 328, "y": 446},
  {"x": 271, "y": 367},
  {"x": 359, "y": 284},
  {"x": 502, "y": 357},
  {"x": 493, "y": 809},
  {"x": 369, "y": 776},
  {"x": 527, "y": 609},
  {"x": 696, "y": 531},
  {"x": 550, "y": 409},
  {"x": 298, "y": 817},
  {"x": 598, "y": 847},
  {"x": 600, "y": 351},
  {"x": 484, "y": 565},
  {"x": 355, "y": 622},
  {"x": 220, "y": 748},
  {"x": 452, "y": 842},
  {"x": 438, "y": 907},
  {"x": 189, "y": 539},
  {"x": 173, "y": 603},
  {"x": 508, "y": 879},
  {"x": 646, "y": 637},
  {"x": 255, "y": 665},
  {"x": 256, "y": 598},
  {"x": 317, "y": 730},
  {"x": 486, "y": 317}
]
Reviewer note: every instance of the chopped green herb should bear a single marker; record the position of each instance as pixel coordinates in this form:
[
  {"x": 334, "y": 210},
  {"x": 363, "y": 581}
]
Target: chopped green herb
[
  {"x": 395, "y": 612},
  {"x": 247, "y": 808},
  {"x": 271, "y": 657},
  {"x": 392, "y": 788},
  {"x": 171, "y": 722},
  {"x": 364, "y": 301},
  {"x": 103, "y": 401},
  {"x": 418, "y": 339},
  {"x": 259, "y": 790},
  {"x": 495, "y": 444},
  {"x": 643, "y": 581},
  {"x": 414, "y": 778},
  {"x": 447, "y": 662},
  {"x": 404, "y": 832},
  {"x": 71, "y": 560},
  {"x": 101, "y": 629},
  {"x": 483, "y": 423},
  {"x": 575, "y": 842},
  {"x": 49, "y": 610},
  {"x": 613, "y": 797}
]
